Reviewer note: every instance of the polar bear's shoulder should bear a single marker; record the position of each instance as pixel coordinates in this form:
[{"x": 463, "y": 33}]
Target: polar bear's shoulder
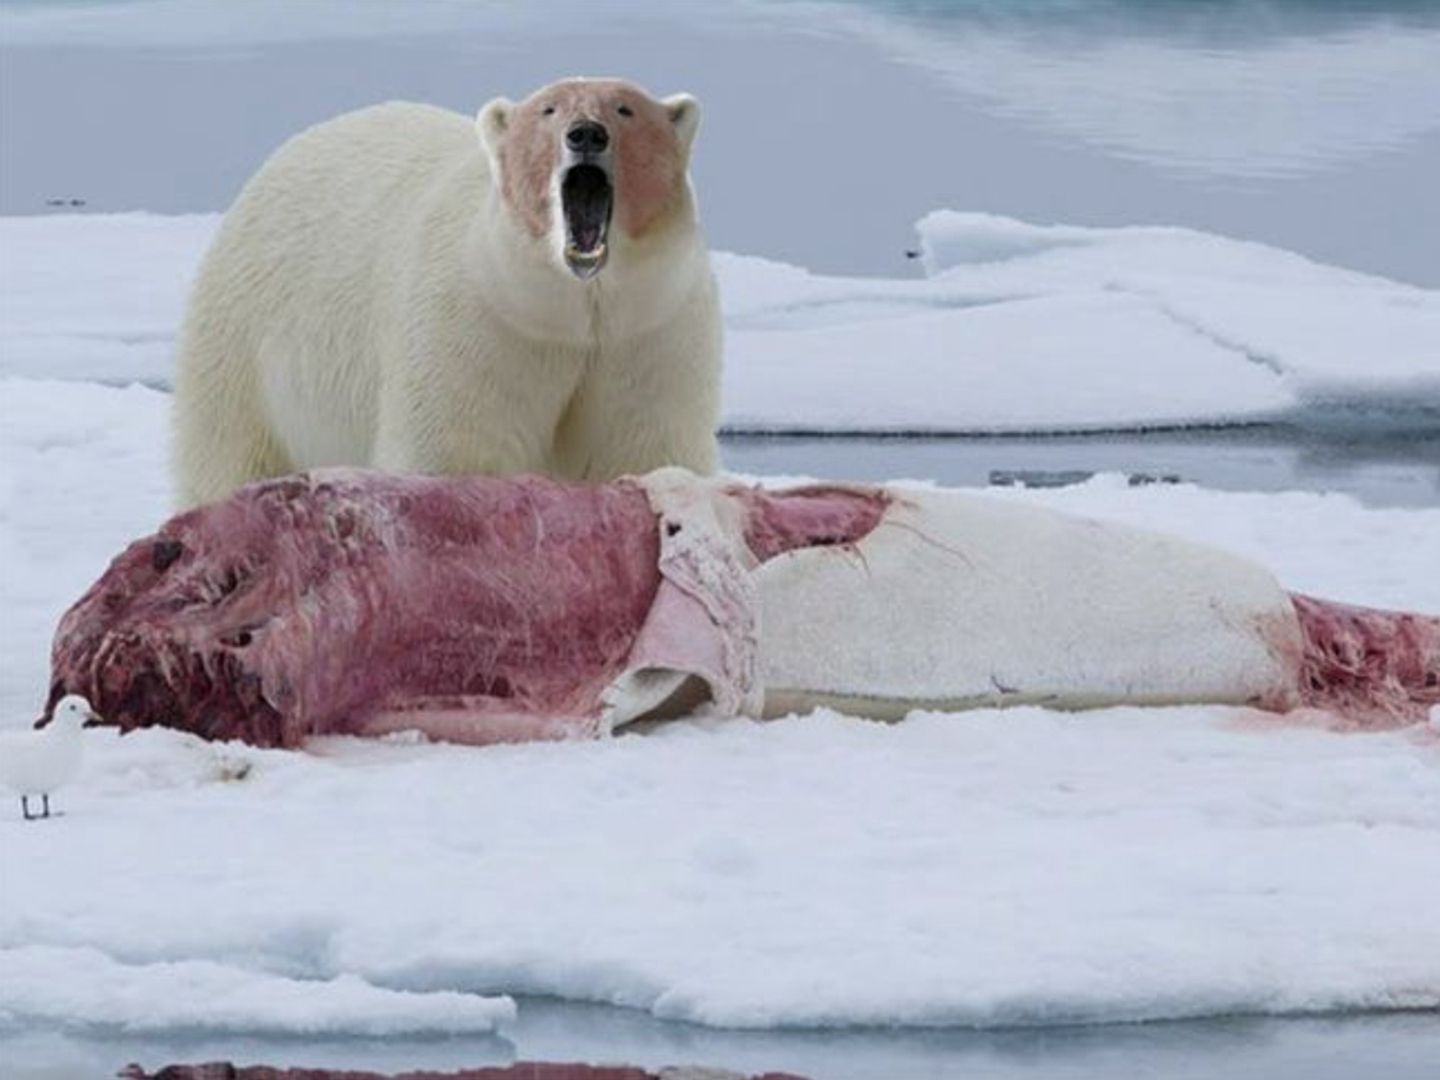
[
  {"x": 395, "y": 121},
  {"x": 403, "y": 116},
  {"x": 353, "y": 158}
]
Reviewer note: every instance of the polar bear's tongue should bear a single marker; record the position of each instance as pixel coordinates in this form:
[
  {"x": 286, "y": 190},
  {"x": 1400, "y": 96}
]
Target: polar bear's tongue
[{"x": 586, "y": 195}]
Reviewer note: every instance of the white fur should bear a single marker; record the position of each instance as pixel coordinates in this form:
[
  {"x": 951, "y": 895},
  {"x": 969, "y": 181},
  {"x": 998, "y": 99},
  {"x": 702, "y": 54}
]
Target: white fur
[{"x": 371, "y": 300}]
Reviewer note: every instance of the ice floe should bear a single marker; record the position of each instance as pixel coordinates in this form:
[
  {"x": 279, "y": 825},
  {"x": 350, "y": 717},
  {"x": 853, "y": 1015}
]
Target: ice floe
[
  {"x": 1015, "y": 328},
  {"x": 993, "y": 868}
]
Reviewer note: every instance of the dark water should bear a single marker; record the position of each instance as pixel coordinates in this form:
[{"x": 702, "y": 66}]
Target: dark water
[
  {"x": 1393, "y": 1047},
  {"x": 1383, "y": 470},
  {"x": 829, "y": 127}
]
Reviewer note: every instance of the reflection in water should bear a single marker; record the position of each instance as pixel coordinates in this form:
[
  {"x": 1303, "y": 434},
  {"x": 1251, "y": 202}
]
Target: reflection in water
[
  {"x": 1396, "y": 1046},
  {"x": 831, "y": 126},
  {"x": 525, "y": 1070},
  {"x": 1233, "y": 90}
]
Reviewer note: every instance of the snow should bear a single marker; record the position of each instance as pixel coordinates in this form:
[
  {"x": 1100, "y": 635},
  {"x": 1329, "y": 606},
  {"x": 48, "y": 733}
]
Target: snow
[
  {"x": 1024, "y": 867},
  {"x": 1018, "y": 867},
  {"x": 96, "y": 296},
  {"x": 1123, "y": 328},
  {"x": 88, "y": 987},
  {"x": 1020, "y": 327}
]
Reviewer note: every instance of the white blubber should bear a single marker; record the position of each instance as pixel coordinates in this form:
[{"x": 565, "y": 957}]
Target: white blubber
[{"x": 962, "y": 601}]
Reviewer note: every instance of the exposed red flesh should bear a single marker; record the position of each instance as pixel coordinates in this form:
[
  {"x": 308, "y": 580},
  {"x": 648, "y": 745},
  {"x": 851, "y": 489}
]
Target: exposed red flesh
[
  {"x": 1377, "y": 668},
  {"x": 315, "y": 605},
  {"x": 777, "y": 522},
  {"x": 525, "y": 1070},
  {"x": 475, "y": 609},
  {"x": 484, "y": 609}
]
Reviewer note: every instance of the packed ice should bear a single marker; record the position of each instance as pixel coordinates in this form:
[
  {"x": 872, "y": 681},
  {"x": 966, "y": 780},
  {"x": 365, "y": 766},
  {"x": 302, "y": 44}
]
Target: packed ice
[
  {"x": 1121, "y": 328},
  {"x": 996, "y": 867}
]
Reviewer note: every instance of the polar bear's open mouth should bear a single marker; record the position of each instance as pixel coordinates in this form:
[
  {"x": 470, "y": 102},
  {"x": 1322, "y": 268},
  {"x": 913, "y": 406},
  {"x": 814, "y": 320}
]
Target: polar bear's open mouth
[{"x": 586, "y": 197}]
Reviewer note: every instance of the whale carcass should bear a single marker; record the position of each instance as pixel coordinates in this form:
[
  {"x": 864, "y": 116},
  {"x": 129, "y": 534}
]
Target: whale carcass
[{"x": 483, "y": 609}]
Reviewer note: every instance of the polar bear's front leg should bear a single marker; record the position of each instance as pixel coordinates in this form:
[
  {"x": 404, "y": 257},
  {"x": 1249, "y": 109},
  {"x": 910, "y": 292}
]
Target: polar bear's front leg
[{"x": 223, "y": 436}]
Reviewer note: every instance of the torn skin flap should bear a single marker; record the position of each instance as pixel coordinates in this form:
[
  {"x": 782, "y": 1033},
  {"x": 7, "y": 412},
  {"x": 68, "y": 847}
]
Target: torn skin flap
[{"x": 821, "y": 515}]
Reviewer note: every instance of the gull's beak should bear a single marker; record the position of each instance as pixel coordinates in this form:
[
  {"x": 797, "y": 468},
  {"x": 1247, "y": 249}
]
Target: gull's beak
[{"x": 92, "y": 719}]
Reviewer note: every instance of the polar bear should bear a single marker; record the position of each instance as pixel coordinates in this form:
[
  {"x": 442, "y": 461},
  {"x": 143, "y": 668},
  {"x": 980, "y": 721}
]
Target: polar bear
[{"x": 401, "y": 287}]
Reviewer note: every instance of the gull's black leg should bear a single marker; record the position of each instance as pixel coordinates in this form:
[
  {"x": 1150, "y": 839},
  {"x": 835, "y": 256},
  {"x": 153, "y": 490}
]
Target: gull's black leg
[
  {"x": 25, "y": 806},
  {"x": 45, "y": 802}
]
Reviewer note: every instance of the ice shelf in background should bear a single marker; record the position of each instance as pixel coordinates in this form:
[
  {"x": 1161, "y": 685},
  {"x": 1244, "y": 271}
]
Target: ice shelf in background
[{"x": 1015, "y": 328}]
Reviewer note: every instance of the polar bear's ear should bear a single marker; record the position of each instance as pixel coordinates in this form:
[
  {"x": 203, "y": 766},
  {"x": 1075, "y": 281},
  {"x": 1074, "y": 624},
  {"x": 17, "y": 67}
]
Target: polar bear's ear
[
  {"x": 491, "y": 122},
  {"x": 684, "y": 113}
]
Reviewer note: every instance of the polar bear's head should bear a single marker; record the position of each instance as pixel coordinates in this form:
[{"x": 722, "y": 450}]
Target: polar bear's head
[{"x": 581, "y": 156}]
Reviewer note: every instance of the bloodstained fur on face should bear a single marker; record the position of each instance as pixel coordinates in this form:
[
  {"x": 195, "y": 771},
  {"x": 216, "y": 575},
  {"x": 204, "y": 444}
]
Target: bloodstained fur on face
[{"x": 649, "y": 160}]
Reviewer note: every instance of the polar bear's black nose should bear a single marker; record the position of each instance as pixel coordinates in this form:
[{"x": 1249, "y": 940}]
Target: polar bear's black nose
[{"x": 587, "y": 137}]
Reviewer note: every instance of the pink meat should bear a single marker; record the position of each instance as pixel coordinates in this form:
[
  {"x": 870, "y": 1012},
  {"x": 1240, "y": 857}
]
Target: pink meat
[
  {"x": 1377, "y": 668},
  {"x": 818, "y": 516},
  {"x": 525, "y": 1070},
  {"x": 318, "y": 604},
  {"x": 475, "y": 609},
  {"x": 483, "y": 609},
  {"x": 222, "y": 1070}
]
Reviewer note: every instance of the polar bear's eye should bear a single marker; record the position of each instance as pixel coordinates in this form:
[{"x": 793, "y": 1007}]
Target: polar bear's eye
[
  {"x": 549, "y": 110},
  {"x": 625, "y": 110}
]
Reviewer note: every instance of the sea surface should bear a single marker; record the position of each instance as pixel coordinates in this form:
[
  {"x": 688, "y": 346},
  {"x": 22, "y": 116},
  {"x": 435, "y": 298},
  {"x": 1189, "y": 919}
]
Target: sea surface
[
  {"x": 1395, "y": 1046},
  {"x": 830, "y": 127},
  {"x": 1401, "y": 469}
]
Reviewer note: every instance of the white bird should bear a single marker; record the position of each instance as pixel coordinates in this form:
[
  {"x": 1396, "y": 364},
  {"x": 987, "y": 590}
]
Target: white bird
[{"x": 38, "y": 762}]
